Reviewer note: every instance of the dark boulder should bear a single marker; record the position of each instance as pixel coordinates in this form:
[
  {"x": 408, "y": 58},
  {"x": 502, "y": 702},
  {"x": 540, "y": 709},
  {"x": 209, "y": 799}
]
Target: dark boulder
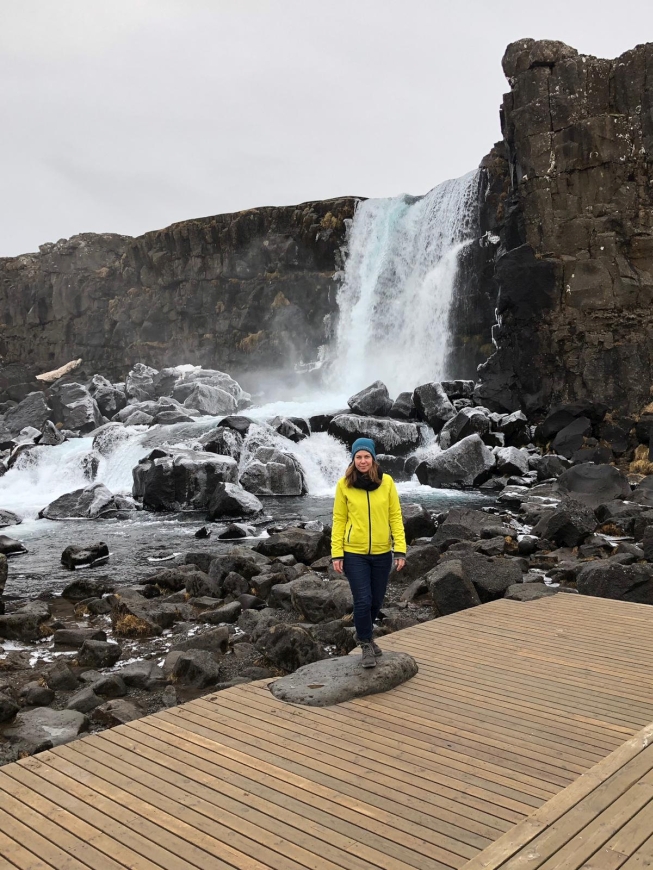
[
  {"x": 87, "y": 587},
  {"x": 215, "y": 641},
  {"x": 33, "y": 694},
  {"x": 197, "y": 668},
  {"x": 468, "y": 463},
  {"x": 604, "y": 579},
  {"x": 269, "y": 471},
  {"x": 306, "y": 546},
  {"x": 570, "y": 439},
  {"x": 9, "y": 518},
  {"x": 395, "y": 466},
  {"x": 8, "y": 707},
  {"x": 224, "y": 441},
  {"x": 390, "y": 436},
  {"x": 74, "y": 408},
  {"x": 450, "y": 589},
  {"x": 568, "y": 525},
  {"x": 403, "y": 407},
  {"x": 90, "y": 555},
  {"x": 512, "y": 461},
  {"x": 418, "y": 522},
  {"x": 373, "y": 401},
  {"x": 432, "y": 405},
  {"x": 231, "y": 499},
  {"x": 76, "y": 636},
  {"x": 98, "y": 654},
  {"x": 33, "y": 411},
  {"x": 289, "y": 646},
  {"x": 118, "y": 711},
  {"x": 458, "y": 389},
  {"x": 550, "y": 466},
  {"x": 285, "y": 427},
  {"x": 84, "y": 700},
  {"x": 594, "y": 484},
  {"x": 320, "y": 600},
  {"x": 529, "y": 591},
  {"x": 468, "y": 421},
  {"x": 181, "y": 479},
  {"x": 50, "y": 435},
  {"x": 28, "y": 623},
  {"x": 10, "y": 546},
  {"x": 88, "y": 503},
  {"x": 59, "y": 677},
  {"x": 643, "y": 492}
]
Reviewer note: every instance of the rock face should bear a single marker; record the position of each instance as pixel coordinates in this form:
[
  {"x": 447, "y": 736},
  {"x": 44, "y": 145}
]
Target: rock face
[
  {"x": 235, "y": 292},
  {"x": 333, "y": 681},
  {"x": 568, "y": 206}
]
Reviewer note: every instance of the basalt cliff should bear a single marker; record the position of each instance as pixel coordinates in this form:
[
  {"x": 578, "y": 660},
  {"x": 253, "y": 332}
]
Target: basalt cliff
[
  {"x": 568, "y": 196},
  {"x": 245, "y": 291}
]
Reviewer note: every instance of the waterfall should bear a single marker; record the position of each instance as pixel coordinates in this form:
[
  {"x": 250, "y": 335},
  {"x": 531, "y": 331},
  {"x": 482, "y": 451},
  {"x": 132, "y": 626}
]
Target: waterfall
[{"x": 398, "y": 286}]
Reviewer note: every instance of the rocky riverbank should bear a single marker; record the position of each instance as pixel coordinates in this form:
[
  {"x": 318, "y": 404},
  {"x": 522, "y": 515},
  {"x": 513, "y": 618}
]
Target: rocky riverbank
[{"x": 255, "y": 598}]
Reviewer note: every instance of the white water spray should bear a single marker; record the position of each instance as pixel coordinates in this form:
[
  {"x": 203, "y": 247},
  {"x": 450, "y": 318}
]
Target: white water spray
[{"x": 400, "y": 277}]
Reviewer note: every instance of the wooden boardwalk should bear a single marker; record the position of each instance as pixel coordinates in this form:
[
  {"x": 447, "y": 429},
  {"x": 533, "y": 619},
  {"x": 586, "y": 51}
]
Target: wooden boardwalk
[{"x": 521, "y": 714}]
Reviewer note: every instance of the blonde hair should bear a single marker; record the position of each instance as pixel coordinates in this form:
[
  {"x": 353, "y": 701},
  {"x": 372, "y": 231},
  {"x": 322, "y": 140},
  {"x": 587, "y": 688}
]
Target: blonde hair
[{"x": 375, "y": 474}]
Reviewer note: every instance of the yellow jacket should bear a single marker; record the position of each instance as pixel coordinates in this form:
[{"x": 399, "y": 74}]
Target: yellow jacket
[{"x": 367, "y": 522}]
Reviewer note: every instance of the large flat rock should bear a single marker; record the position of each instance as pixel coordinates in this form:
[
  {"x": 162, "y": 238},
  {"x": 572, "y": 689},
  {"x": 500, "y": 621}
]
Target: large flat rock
[{"x": 332, "y": 681}]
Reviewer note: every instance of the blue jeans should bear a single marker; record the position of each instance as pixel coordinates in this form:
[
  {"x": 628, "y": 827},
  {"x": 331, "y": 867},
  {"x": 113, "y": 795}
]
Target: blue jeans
[{"x": 368, "y": 579}]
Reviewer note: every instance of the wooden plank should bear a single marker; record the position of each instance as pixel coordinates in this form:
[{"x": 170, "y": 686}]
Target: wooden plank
[
  {"x": 525, "y": 832},
  {"x": 407, "y": 802},
  {"x": 470, "y": 774},
  {"x": 591, "y": 836},
  {"x": 366, "y": 802},
  {"x": 269, "y": 838},
  {"x": 163, "y": 840},
  {"x": 625, "y": 842},
  {"x": 74, "y": 817},
  {"x": 40, "y": 846},
  {"x": 363, "y": 827},
  {"x": 17, "y": 857},
  {"x": 393, "y": 770}
]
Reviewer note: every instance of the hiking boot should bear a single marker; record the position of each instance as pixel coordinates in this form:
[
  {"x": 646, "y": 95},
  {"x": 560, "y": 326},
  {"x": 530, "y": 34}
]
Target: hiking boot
[
  {"x": 368, "y": 659},
  {"x": 377, "y": 649}
]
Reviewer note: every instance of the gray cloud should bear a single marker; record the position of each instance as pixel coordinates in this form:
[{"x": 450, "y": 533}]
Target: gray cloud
[{"x": 128, "y": 115}]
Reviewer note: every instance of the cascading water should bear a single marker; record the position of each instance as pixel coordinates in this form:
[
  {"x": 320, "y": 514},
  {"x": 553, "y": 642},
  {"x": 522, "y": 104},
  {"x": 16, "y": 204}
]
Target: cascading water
[
  {"x": 399, "y": 283},
  {"x": 400, "y": 279}
]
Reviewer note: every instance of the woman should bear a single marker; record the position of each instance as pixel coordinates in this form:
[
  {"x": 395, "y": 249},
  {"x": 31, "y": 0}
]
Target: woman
[{"x": 367, "y": 524}]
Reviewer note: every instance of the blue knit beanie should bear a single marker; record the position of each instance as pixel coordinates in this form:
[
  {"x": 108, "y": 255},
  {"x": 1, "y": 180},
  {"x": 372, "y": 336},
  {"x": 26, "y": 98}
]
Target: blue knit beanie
[{"x": 363, "y": 444}]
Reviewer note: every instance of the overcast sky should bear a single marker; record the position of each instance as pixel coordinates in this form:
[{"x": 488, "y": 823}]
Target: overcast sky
[{"x": 127, "y": 115}]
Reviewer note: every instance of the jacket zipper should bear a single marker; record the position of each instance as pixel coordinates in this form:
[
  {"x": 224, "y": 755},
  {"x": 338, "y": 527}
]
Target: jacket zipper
[
  {"x": 369, "y": 522},
  {"x": 349, "y": 535}
]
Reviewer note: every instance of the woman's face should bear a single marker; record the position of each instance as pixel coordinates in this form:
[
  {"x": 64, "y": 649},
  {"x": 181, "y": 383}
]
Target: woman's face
[{"x": 363, "y": 461}]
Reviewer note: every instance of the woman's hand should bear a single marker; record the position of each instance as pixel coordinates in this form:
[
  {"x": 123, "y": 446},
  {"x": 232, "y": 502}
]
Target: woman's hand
[
  {"x": 400, "y": 563},
  {"x": 337, "y": 566}
]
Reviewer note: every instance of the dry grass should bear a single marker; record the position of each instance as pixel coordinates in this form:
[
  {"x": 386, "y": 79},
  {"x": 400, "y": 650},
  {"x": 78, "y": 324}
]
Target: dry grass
[
  {"x": 132, "y": 626},
  {"x": 641, "y": 464},
  {"x": 280, "y": 301},
  {"x": 250, "y": 343},
  {"x": 45, "y": 630},
  {"x": 610, "y": 529},
  {"x": 330, "y": 222}
]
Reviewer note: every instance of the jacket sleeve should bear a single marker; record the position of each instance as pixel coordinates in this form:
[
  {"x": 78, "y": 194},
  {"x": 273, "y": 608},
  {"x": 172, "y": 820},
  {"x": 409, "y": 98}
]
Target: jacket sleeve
[
  {"x": 339, "y": 523},
  {"x": 396, "y": 522}
]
